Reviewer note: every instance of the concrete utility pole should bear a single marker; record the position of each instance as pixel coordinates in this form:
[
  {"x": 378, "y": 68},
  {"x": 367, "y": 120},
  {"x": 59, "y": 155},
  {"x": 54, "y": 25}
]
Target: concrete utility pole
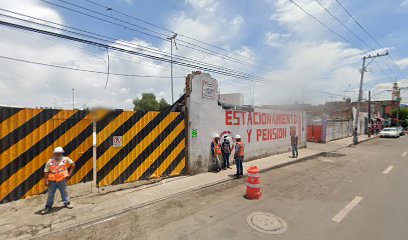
[
  {"x": 360, "y": 92},
  {"x": 369, "y": 114},
  {"x": 172, "y": 38}
]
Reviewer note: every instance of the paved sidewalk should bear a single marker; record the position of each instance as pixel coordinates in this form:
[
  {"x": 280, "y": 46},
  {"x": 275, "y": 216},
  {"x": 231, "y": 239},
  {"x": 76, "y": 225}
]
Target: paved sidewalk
[{"x": 21, "y": 219}]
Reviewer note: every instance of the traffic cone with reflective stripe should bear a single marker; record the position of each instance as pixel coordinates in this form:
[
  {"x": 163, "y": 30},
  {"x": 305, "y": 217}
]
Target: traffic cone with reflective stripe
[{"x": 253, "y": 184}]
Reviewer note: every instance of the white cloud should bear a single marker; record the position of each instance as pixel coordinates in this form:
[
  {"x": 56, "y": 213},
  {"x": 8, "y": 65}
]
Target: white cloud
[
  {"x": 404, "y": 3},
  {"x": 298, "y": 58},
  {"x": 45, "y": 86},
  {"x": 402, "y": 63},
  {"x": 203, "y": 5},
  {"x": 276, "y": 39}
]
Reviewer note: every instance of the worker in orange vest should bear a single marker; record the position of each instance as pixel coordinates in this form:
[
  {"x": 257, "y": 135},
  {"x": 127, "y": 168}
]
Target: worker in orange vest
[
  {"x": 239, "y": 156},
  {"x": 216, "y": 151},
  {"x": 57, "y": 171}
]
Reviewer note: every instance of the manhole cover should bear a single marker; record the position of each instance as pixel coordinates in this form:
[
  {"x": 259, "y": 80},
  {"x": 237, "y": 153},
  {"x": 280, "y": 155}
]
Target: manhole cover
[{"x": 266, "y": 223}]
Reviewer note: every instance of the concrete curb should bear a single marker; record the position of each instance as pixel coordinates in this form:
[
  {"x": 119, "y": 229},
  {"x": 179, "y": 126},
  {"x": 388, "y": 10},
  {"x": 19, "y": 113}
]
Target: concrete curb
[{"x": 123, "y": 211}]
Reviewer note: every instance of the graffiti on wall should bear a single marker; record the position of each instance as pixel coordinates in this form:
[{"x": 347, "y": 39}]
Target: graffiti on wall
[{"x": 269, "y": 126}]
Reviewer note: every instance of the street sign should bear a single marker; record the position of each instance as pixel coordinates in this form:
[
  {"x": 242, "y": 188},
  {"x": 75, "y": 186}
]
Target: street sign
[{"x": 117, "y": 141}]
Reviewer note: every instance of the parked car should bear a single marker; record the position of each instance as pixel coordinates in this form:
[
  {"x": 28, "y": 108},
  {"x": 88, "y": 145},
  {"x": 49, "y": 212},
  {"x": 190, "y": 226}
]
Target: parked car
[
  {"x": 390, "y": 132},
  {"x": 401, "y": 131}
]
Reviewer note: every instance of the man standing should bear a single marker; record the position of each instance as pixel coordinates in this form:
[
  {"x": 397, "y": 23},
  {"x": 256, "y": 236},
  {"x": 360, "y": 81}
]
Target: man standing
[
  {"x": 216, "y": 151},
  {"x": 57, "y": 171},
  {"x": 294, "y": 140},
  {"x": 239, "y": 156},
  {"x": 226, "y": 151}
]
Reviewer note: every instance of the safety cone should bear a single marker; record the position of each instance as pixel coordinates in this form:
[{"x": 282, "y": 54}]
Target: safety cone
[{"x": 253, "y": 190}]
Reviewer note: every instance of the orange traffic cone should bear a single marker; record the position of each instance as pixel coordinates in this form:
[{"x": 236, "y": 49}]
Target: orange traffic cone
[{"x": 253, "y": 184}]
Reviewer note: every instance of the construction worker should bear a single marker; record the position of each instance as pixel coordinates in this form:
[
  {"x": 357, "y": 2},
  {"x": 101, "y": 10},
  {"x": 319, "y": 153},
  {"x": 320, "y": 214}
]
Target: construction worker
[
  {"x": 57, "y": 171},
  {"x": 226, "y": 151},
  {"x": 239, "y": 156},
  {"x": 216, "y": 151}
]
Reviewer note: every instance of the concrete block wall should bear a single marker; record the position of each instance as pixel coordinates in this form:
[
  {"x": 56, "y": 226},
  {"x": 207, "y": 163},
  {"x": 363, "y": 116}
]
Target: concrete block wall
[
  {"x": 265, "y": 132},
  {"x": 339, "y": 129}
]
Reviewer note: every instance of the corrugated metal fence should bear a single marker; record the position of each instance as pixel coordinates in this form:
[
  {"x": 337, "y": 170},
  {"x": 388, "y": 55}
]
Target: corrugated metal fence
[{"x": 153, "y": 145}]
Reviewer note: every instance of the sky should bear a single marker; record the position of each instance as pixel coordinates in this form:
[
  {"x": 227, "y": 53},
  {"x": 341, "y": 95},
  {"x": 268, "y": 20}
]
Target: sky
[{"x": 288, "y": 51}]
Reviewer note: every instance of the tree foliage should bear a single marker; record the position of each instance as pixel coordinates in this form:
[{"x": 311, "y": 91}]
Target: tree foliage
[
  {"x": 148, "y": 102},
  {"x": 402, "y": 115},
  {"x": 163, "y": 104}
]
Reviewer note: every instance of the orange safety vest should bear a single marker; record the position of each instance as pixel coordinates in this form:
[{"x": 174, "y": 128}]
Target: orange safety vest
[
  {"x": 217, "y": 148},
  {"x": 58, "y": 170},
  {"x": 241, "y": 152}
]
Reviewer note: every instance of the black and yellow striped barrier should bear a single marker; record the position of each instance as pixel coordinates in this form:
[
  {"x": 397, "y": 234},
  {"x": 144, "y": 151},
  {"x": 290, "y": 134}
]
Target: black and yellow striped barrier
[
  {"x": 153, "y": 146},
  {"x": 27, "y": 140}
]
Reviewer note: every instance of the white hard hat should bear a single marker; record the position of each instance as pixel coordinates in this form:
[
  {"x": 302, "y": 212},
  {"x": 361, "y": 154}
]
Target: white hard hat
[
  {"x": 59, "y": 150},
  {"x": 216, "y": 136},
  {"x": 237, "y": 137}
]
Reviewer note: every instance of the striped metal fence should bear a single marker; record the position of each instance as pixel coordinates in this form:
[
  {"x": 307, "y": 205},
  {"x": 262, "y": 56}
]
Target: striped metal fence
[{"x": 152, "y": 145}]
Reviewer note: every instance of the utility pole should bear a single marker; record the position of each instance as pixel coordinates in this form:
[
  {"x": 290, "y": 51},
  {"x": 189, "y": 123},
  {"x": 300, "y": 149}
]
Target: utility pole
[
  {"x": 172, "y": 38},
  {"x": 73, "y": 98},
  {"x": 369, "y": 114},
  {"x": 398, "y": 111},
  {"x": 360, "y": 92}
]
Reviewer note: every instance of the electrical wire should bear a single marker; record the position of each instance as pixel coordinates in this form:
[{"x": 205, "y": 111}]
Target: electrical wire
[
  {"x": 120, "y": 50},
  {"x": 128, "y": 44},
  {"x": 81, "y": 69},
  {"x": 189, "y": 45},
  {"x": 170, "y": 31},
  {"x": 331, "y": 30},
  {"x": 322, "y": 23},
  {"x": 369, "y": 34},
  {"x": 114, "y": 48}
]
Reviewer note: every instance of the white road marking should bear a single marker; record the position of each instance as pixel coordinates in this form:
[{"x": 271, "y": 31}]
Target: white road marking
[
  {"x": 343, "y": 213},
  {"x": 102, "y": 221},
  {"x": 388, "y": 169},
  {"x": 404, "y": 154}
]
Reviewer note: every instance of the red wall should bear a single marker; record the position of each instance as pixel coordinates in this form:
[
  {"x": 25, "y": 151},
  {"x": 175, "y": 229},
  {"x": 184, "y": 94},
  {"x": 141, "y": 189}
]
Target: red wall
[{"x": 314, "y": 133}]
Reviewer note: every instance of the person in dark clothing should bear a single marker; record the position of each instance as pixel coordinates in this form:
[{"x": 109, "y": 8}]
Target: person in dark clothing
[
  {"x": 294, "y": 141},
  {"x": 239, "y": 156},
  {"x": 226, "y": 151}
]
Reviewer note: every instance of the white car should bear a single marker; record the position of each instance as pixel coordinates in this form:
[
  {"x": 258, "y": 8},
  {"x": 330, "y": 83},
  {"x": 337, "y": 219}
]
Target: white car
[{"x": 390, "y": 132}]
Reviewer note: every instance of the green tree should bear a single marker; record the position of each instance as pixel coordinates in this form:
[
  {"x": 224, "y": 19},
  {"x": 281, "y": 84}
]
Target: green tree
[
  {"x": 403, "y": 113},
  {"x": 147, "y": 103},
  {"x": 163, "y": 104}
]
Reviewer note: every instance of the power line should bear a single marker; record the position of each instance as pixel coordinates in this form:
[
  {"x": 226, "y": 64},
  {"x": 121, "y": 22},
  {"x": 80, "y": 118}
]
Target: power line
[
  {"x": 162, "y": 37},
  {"x": 170, "y": 31},
  {"x": 369, "y": 34},
  {"x": 342, "y": 23},
  {"x": 322, "y": 23},
  {"x": 114, "y": 48},
  {"x": 81, "y": 69},
  {"x": 128, "y": 44},
  {"x": 351, "y": 31},
  {"x": 326, "y": 26},
  {"x": 121, "y": 50}
]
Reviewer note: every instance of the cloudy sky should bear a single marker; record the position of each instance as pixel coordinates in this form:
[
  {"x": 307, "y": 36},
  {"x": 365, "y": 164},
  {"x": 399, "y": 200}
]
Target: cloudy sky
[{"x": 273, "y": 40}]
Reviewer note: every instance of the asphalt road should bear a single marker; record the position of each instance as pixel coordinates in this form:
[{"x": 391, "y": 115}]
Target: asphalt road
[{"x": 354, "y": 193}]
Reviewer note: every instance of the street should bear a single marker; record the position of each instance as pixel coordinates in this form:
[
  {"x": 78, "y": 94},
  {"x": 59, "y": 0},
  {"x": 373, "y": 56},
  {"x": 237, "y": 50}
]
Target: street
[{"x": 354, "y": 193}]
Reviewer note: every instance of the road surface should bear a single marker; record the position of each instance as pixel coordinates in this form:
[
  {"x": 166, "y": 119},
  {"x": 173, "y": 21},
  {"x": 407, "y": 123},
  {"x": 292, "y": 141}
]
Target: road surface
[{"x": 354, "y": 193}]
